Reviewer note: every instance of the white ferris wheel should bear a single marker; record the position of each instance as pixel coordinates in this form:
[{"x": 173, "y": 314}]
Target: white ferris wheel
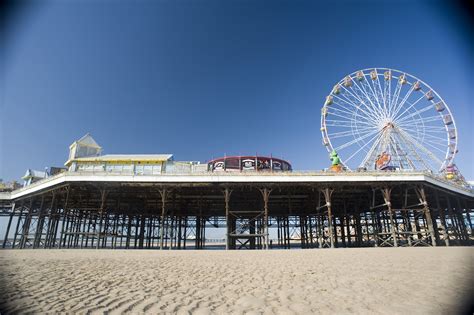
[{"x": 383, "y": 118}]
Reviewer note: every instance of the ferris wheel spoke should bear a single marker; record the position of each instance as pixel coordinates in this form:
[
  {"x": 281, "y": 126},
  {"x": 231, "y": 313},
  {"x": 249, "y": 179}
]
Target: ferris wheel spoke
[
  {"x": 418, "y": 112},
  {"x": 434, "y": 141},
  {"x": 429, "y": 128},
  {"x": 346, "y": 119},
  {"x": 403, "y": 101},
  {"x": 382, "y": 95},
  {"x": 364, "y": 92},
  {"x": 420, "y": 146},
  {"x": 371, "y": 111},
  {"x": 363, "y": 130},
  {"x": 434, "y": 138},
  {"x": 411, "y": 150},
  {"x": 348, "y": 112},
  {"x": 409, "y": 107},
  {"x": 356, "y": 104},
  {"x": 431, "y": 141},
  {"x": 347, "y": 133},
  {"x": 433, "y": 145},
  {"x": 343, "y": 146},
  {"x": 350, "y": 103},
  {"x": 351, "y": 120},
  {"x": 341, "y": 134},
  {"x": 440, "y": 130},
  {"x": 431, "y": 137},
  {"x": 394, "y": 101},
  {"x": 387, "y": 92},
  {"x": 372, "y": 93},
  {"x": 362, "y": 147},
  {"x": 340, "y": 123},
  {"x": 422, "y": 120},
  {"x": 371, "y": 151},
  {"x": 405, "y": 151},
  {"x": 395, "y": 150}
]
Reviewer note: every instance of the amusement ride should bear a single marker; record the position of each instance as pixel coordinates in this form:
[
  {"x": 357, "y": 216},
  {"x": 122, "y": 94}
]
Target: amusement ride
[{"x": 386, "y": 119}]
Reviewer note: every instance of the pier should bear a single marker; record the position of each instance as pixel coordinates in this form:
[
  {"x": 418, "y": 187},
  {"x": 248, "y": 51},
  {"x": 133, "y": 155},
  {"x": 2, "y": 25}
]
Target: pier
[{"x": 256, "y": 210}]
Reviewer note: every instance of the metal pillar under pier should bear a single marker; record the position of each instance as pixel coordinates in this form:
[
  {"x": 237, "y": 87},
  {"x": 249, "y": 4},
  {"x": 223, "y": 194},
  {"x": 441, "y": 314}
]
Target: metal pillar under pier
[{"x": 327, "y": 192}]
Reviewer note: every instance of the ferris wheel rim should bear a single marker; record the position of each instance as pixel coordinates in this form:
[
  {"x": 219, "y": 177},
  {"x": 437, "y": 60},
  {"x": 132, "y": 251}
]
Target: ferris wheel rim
[{"x": 452, "y": 143}]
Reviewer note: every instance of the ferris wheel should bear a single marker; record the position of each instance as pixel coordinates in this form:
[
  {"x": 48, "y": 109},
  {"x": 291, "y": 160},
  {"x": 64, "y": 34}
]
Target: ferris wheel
[{"x": 382, "y": 118}]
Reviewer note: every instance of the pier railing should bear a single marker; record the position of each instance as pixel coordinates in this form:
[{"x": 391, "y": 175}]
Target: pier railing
[{"x": 5, "y": 195}]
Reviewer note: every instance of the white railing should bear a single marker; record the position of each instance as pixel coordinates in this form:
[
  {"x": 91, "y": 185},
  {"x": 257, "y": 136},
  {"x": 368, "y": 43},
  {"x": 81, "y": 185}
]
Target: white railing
[
  {"x": 5, "y": 195},
  {"x": 251, "y": 173}
]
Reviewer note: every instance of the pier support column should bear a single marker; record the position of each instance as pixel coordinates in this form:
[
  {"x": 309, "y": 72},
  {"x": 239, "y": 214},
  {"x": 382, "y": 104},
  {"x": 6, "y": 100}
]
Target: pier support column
[
  {"x": 163, "y": 193},
  {"x": 393, "y": 228},
  {"x": 266, "y": 196},
  {"x": 358, "y": 224},
  {"x": 103, "y": 196},
  {"x": 468, "y": 216},
  {"x": 18, "y": 223},
  {"x": 452, "y": 219},
  {"x": 26, "y": 225},
  {"x": 65, "y": 215},
  {"x": 442, "y": 219},
  {"x": 426, "y": 210},
  {"x": 12, "y": 214},
  {"x": 407, "y": 219},
  {"x": 227, "y": 193},
  {"x": 462, "y": 223},
  {"x": 39, "y": 225},
  {"x": 327, "y": 196}
]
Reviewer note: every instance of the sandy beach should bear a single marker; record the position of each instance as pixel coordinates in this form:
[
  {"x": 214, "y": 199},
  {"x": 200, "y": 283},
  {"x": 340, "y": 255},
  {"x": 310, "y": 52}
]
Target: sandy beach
[{"x": 342, "y": 281}]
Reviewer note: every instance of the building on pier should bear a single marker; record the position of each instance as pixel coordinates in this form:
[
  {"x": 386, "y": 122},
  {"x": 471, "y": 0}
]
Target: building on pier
[
  {"x": 85, "y": 155},
  {"x": 33, "y": 176}
]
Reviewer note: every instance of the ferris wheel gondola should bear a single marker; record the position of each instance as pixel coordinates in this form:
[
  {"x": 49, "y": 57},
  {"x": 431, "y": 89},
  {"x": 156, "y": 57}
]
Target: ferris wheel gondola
[{"x": 385, "y": 112}]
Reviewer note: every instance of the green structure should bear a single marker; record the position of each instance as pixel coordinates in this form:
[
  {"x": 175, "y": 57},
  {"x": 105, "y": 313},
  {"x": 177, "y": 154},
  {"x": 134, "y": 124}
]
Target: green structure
[{"x": 334, "y": 157}]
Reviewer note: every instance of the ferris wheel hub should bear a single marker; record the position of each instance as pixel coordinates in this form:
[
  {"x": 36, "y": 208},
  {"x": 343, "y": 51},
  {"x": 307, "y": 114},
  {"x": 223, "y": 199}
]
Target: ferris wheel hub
[{"x": 386, "y": 123}]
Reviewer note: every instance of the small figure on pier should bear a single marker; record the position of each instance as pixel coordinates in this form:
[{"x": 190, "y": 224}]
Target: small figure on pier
[
  {"x": 452, "y": 173},
  {"x": 382, "y": 162},
  {"x": 335, "y": 161}
]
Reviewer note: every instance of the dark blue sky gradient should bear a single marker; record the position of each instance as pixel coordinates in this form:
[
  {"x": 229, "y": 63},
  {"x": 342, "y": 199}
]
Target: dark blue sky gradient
[{"x": 200, "y": 79}]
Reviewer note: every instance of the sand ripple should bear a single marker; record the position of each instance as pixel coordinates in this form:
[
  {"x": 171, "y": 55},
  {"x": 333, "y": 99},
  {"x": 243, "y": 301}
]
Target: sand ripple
[{"x": 374, "y": 280}]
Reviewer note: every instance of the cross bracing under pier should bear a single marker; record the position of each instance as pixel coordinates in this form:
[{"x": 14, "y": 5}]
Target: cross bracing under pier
[{"x": 255, "y": 211}]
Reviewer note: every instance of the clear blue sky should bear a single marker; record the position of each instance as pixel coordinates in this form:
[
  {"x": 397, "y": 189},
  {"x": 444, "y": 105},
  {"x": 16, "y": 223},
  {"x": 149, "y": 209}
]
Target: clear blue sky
[{"x": 200, "y": 79}]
